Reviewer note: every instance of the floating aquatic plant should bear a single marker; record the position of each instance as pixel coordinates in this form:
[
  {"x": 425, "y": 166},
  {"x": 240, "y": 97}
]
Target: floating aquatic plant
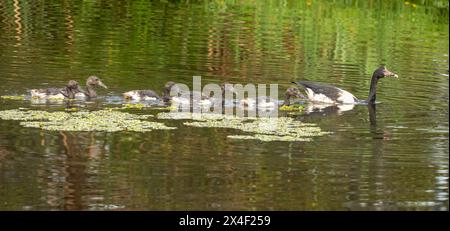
[
  {"x": 142, "y": 106},
  {"x": 72, "y": 109},
  {"x": 28, "y": 115},
  {"x": 199, "y": 116},
  {"x": 102, "y": 120},
  {"x": 268, "y": 138},
  {"x": 291, "y": 108},
  {"x": 167, "y": 108},
  {"x": 284, "y": 128},
  {"x": 133, "y": 106},
  {"x": 13, "y": 97},
  {"x": 263, "y": 128}
]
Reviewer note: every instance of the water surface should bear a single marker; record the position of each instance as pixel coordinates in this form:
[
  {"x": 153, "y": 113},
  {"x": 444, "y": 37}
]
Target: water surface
[{"x": 397, "y": 161}]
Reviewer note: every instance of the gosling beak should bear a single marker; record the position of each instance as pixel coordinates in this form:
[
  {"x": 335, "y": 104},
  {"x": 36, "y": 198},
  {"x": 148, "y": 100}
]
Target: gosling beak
[{"x": 100, "y": 83}]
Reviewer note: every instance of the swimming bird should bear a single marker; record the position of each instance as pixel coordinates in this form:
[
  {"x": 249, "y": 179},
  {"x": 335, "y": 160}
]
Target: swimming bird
[
  {"x": 324, "y": 93},
  {"x": 166, "y": 91},
  {"x": 171, "y": 93},
  {"x": 68, "y": 92},
  {"x": 188, "y": 97},
  {"x": 227, "y": 87},
  {"x": 291, "y": 92},
  {"x": 193, "y": 97},
  {"x": 265, "y": 102},
  {"x": 141, "y": 95},
  {"x": 91, "y": 82}
]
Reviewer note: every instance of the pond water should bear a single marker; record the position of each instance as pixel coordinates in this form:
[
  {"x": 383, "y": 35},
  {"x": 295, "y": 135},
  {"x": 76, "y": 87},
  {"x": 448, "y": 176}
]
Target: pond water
[{"x": 396, "y": 161}]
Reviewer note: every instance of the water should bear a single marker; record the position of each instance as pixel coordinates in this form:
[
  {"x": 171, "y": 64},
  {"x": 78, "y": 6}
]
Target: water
[{"x": 398, "y": 161}]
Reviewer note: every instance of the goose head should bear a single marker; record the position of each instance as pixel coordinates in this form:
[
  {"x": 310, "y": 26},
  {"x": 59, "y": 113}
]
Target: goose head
[
  {"x": 71, "y": 89},
  {"x": 168, "y": 86},
  {"x": 74, "y": 86},
  {"x": 93, "y": 81},
  {"x": 167, "y": 89},
  {"x": 379, "y": 73},
  {"x": 292, "y": 92},
  {"x": 382, "y": 72}
]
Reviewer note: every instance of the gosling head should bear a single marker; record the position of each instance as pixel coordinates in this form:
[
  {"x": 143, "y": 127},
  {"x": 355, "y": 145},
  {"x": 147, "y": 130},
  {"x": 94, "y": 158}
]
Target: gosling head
[
  {"x": 292, "y": 92},
  {"x": 168, "y": 87},
  {"x": 95, "y": 81},
  {"x": 71, "y": 89},
  {"x": 74, "y": 86}
]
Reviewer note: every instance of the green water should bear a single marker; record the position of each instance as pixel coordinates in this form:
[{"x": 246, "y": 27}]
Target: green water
[{"x": 398, "y": 161}]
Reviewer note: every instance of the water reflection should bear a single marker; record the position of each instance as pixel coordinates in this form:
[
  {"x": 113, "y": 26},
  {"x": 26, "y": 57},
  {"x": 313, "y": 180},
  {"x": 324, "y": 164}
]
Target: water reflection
[
  {"x": 71, "y": 171},
  {"x": 314, "y": 109},
  {"x": 372, "y": 115},
  {"x": 17, "y": 21},
  {"x": 393, "y": 156}
]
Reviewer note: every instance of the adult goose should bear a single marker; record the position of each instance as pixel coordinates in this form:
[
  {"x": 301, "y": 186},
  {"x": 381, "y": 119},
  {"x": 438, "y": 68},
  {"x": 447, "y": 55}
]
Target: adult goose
[
  {"x": 68, "y": 92},
  {"x": 265, "y": 102},
  {"x": 324, "y": 93},
  {"x": 91, "y": 82}
]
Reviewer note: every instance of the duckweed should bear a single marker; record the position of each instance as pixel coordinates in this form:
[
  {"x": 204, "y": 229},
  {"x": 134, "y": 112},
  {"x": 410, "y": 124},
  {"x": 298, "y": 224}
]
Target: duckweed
[
  {"x": 133, "y": 106},
  {"x": 142, "y": 106},
  {"x": 291, "y": 108},
  {"x": 13, "y": 97},
  {"x": 102, "y": 120},
  {"x": 199, "y": 116},
  {"x": 264, "y": 129},
  {"x": 27, "y": 115},
  {"x": 72, "y": 109},
  {"x": 167, "y": 108},
  {"x": 266, "y": 138}
]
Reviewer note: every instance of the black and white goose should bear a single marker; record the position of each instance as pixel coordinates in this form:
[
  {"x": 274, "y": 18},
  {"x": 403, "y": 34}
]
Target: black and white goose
[{"x": 324, "y": 93}]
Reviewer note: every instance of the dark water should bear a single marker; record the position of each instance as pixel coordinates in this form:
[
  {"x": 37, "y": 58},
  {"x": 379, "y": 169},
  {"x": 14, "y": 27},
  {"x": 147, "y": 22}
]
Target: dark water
[{"x": 398, "y": 162}]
